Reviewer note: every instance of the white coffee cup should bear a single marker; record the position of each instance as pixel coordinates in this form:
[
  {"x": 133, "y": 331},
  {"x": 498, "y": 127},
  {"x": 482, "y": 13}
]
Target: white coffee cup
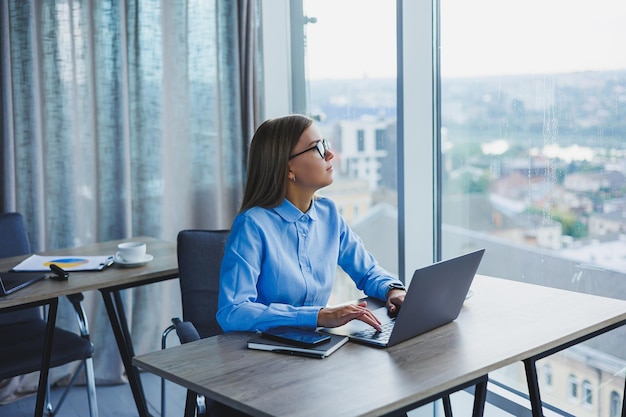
[{"x": 131, "y": 251}]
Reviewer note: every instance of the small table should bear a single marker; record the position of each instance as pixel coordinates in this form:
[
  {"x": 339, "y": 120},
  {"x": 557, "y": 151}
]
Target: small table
[
  {"x": 109, "y": 282},
  {"x": 503, "y": 323}
]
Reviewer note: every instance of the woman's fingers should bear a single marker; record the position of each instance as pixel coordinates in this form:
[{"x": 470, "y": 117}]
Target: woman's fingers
[
  {"x": 369, "y": 318},
  {"x": 338, "y": 316}
]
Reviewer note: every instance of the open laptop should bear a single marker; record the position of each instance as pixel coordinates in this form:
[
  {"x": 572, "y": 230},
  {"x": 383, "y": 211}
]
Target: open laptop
[
  {"x": 434, "y": 298},
  {"x": 13, "y": 281}
]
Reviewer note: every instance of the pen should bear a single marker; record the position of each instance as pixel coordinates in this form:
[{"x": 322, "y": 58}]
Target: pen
[{"x": 109, "y": 261}]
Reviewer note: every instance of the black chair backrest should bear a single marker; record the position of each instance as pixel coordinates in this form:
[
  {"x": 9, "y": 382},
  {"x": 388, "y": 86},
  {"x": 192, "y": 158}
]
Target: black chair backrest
[
  {"x": 14, "y": 242},
  {"x": 200, "y": 255},
  {"x": 13, "y": 236}
]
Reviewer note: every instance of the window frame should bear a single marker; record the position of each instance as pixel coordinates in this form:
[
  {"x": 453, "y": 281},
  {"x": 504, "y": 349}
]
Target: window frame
[{"x": 419, "y": 210}]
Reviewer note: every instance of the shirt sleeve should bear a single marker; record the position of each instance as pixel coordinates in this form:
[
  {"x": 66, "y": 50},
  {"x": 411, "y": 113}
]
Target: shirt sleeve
[{"x": 238, "y": 305}]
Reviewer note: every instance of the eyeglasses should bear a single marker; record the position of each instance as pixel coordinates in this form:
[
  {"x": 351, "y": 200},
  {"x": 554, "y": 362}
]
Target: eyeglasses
[{"x": 322, "y": 146}]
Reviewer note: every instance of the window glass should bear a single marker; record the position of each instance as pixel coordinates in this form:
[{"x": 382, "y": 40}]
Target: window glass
[
  {"x": 532, "y": 156},
  {"x": 533, "y": 122},
  {"x": 350, "y": 75}
]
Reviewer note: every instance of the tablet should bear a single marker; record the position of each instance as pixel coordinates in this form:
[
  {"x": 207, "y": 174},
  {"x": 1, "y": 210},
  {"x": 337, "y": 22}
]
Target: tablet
[{"x": 13, "y": 281}]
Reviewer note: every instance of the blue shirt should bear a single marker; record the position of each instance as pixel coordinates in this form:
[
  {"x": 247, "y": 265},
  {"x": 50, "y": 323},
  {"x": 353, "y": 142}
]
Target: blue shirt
[{"x": 279, "y": 266}]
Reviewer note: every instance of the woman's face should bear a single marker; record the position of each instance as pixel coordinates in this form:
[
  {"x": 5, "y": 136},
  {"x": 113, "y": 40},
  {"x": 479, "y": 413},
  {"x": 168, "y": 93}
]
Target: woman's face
[{"x": 308, "y": 168}]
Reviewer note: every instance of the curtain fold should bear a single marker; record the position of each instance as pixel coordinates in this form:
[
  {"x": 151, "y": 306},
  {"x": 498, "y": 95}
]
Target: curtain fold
[{"x": 126, "y": 118}]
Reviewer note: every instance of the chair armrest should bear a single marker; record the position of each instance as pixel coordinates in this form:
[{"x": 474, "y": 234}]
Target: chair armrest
[
  {"x": 185, "y": 330},
  {"x": 81, "y": 317}
]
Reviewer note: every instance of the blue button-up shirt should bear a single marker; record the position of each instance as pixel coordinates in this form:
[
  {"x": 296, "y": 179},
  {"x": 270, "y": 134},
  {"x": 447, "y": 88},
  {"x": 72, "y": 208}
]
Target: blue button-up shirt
[{"x": 279, "y": 266}]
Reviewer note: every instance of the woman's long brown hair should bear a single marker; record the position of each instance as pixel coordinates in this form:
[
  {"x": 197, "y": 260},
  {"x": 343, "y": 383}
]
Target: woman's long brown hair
[{"x": 271, "y": 145}]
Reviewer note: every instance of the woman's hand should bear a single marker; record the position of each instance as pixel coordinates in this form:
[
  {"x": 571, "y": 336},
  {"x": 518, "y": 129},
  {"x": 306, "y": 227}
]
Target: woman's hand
[
  {"x": 395, "y": 298},
  {"x": 338, "y": 316}
]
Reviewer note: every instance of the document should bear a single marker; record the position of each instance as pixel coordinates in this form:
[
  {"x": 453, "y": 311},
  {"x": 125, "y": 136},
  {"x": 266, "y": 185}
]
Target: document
[{"x": 68, "y": 263}]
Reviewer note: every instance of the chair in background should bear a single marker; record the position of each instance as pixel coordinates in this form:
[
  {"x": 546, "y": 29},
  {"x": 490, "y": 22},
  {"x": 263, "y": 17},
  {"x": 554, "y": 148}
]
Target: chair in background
[
  {"x": 22, "y": 332},
  {"x": 200, "y": 255}
]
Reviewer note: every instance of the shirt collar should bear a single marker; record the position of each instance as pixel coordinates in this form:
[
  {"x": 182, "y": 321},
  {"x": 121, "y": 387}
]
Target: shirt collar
[{"x": 291, "y": 213}]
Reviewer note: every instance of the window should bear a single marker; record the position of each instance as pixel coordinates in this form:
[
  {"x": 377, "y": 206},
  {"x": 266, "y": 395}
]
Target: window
[
  {"x": 525, "y": 136},
  {"x": 615, "y": 404},
  {"x": 350, "y": 77},
  {"x": 360, "y": 140},
  {"x": 547, "y": 376},
  {"x": 533, "y": 159},
  {"x": 572, "y": 387},
  {"x": 380, "y": 139},
  {"x": 587, "y": 394}
]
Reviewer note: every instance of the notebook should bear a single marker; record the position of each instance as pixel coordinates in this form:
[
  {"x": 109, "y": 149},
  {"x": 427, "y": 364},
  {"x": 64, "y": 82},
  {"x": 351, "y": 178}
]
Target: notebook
[
  {"x": 320, "y": 351},
  {"x": 13, "y": 281},
  {"x": 434, "y": 298}
]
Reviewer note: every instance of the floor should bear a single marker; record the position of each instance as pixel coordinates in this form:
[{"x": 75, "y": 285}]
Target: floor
[{"x": 113, "y": 401}]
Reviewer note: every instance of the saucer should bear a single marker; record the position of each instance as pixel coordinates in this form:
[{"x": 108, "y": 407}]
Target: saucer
[{"x": 147, "y": 258}]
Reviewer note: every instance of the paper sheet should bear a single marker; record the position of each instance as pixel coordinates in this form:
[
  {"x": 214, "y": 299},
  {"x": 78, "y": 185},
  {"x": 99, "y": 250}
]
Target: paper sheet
[{"x": 68, "y": 263}]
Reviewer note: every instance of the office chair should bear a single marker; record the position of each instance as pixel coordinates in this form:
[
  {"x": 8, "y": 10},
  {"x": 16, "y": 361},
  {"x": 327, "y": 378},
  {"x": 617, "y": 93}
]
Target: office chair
[
  {"x": 200, "y": 255},
  {"x": 22, "y": 332}
]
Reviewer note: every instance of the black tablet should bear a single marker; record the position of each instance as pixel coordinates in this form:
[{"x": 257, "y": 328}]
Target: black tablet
[
  {"x": 295, "y": 335},
  {"x": 13, "y": 281}
]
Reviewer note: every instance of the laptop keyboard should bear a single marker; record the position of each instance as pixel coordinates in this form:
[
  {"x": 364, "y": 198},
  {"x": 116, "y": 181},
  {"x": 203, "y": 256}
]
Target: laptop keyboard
[{"x": 372, "y": 333}]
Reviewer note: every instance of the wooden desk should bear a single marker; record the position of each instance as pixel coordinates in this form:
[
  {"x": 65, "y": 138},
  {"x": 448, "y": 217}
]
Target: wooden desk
[
  {"x": 109, "y": 282},
  {"x": 504, "y": 322},
  {"x": 163, "y": 266}
]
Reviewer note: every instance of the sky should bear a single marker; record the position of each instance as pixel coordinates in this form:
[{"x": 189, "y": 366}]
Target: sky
[{"x": 356, "y": 38}]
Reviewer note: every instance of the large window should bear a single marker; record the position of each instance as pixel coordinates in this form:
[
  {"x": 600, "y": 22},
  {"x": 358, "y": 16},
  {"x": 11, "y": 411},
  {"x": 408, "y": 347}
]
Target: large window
[
  {"x": 533, "y": 155},
  {"x": 506, "y": 133}
]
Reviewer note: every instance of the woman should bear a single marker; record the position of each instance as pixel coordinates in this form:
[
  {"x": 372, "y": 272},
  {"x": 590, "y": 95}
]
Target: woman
[{"x": 285, "y": 244}]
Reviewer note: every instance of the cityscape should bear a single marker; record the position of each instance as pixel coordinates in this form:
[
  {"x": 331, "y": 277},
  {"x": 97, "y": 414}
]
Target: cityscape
[{"x": 531, "y": 165}]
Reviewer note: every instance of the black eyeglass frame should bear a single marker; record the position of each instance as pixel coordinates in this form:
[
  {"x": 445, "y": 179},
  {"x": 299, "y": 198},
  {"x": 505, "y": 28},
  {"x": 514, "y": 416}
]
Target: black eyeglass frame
[{"x": 322, "y": 146}]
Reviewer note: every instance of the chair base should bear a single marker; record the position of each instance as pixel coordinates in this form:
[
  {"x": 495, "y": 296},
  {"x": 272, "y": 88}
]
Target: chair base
[{"x": 87, "y": 366}]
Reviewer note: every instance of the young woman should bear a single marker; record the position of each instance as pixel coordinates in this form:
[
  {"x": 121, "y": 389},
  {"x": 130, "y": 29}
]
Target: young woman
[{"x": 285, "y": 244}]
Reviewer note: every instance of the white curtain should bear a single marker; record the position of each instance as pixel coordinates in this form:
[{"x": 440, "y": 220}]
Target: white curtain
[{"x": 123, "y": 118}]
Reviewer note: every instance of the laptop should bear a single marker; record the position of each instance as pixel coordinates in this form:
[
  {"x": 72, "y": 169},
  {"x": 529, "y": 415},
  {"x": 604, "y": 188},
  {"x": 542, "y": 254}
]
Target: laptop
[
  {"x": 13, "y": 281},
  {"x": 434, "y": 298}
]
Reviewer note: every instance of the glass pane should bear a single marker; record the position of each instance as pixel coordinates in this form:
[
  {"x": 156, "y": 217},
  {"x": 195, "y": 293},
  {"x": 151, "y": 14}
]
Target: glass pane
[
  {"x": 351, "y": 88},
  {"x": 533, "y": 99}
]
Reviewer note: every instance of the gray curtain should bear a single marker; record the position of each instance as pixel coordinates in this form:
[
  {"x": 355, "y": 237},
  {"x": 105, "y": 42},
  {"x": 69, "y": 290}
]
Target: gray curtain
[{"x": 123, "y": 118}]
